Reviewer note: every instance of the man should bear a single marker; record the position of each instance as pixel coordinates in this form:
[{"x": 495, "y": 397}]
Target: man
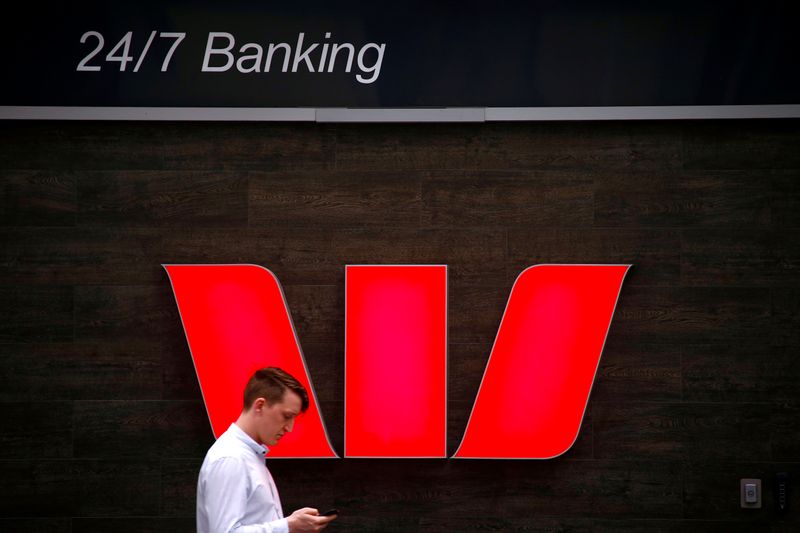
[{"x": 235, "y": 491}]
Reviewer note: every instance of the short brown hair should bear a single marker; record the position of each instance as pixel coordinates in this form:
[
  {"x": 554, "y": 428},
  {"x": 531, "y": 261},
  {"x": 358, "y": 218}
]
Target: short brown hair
[{"x": 271, "y": 384}]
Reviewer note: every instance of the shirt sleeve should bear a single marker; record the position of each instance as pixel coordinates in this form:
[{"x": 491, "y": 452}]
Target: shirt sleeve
[{"x": 225, "y": 501}]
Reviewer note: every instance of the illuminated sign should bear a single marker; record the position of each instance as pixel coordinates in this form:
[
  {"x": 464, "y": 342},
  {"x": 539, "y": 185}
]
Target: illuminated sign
[
  {"x": 532, "y": 397},
  {"x": 236, "y": 321},
  {"x": 395, "y": 361}
]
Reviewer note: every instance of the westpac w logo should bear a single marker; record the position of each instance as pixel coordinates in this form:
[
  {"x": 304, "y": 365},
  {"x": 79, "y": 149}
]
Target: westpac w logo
[{"x": 534, "y": 390}]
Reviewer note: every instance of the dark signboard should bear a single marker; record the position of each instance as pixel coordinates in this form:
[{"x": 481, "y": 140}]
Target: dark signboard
[{"x": 412, "y": 54}]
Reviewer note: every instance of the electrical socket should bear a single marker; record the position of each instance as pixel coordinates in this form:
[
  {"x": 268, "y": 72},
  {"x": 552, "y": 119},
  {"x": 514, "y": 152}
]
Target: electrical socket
[{"x": 750, "y": 493}]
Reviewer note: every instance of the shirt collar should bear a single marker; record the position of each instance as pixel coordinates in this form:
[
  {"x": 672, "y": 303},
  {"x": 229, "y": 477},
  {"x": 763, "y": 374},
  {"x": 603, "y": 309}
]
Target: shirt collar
[{"x": 239, "y": 433}]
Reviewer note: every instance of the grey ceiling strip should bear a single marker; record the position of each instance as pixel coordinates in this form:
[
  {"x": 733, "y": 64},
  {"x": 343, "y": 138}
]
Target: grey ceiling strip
[
  {"x": 444, "y": 114},
  {"x": 448, "y": 114},
  {"x": 641, "y": 112},
  {"x": 264, "y": 114}
]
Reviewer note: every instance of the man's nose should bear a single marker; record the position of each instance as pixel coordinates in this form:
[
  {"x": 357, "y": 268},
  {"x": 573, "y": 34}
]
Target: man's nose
[{"x": 290, "y": 425}]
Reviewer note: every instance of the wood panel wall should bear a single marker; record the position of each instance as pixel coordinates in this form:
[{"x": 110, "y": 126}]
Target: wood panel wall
[{"x": 102, "y": 423}]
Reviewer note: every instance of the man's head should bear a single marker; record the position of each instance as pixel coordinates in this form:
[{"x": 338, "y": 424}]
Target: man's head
[{"x": 272, "y": 400}]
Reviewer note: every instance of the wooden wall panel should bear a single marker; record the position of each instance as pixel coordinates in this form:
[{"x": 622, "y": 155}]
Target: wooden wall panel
[{"x": 103, "y": 426}]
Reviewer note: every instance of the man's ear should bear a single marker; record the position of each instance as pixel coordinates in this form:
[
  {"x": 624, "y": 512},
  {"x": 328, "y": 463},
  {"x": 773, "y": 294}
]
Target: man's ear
[{"x": 259, "y": 404}]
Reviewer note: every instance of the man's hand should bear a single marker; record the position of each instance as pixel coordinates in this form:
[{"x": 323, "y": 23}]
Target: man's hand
[{"x": 308, "y": 519}]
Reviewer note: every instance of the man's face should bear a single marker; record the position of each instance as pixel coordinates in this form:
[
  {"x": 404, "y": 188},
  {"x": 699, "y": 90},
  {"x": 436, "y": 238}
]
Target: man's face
[{"x": 273, "y": 421}]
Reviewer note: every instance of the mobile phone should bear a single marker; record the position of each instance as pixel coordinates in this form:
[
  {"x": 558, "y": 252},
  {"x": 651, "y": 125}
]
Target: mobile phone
[{"x": 330, "y": 512}]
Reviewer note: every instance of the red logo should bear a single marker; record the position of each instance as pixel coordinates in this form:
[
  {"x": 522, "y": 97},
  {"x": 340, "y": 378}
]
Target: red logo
[{"x": 534, "y": 390}]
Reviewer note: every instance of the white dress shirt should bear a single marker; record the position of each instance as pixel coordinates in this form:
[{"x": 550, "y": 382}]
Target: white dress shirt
[{"x": 235, "y": 491}]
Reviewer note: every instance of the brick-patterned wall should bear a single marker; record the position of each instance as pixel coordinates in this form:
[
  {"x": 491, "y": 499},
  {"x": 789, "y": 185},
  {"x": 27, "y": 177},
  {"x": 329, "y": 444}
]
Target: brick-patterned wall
[{"x": 102, "y": 423}]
